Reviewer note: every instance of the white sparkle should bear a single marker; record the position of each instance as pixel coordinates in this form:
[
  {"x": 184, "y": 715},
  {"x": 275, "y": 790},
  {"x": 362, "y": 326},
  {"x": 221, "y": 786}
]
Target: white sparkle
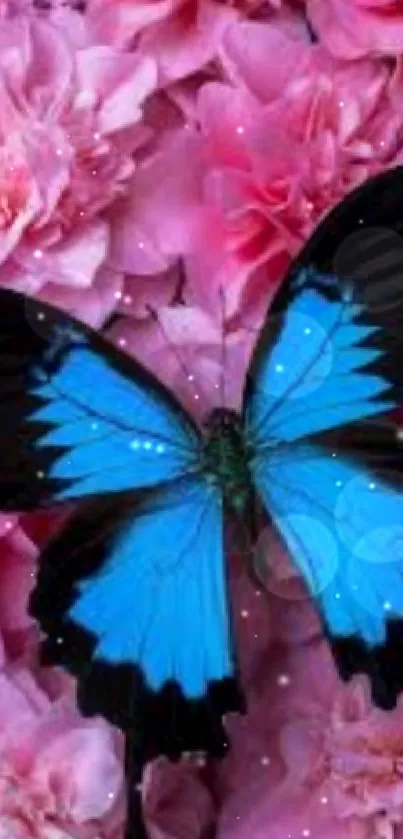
[
  {"x": 240, "y": 129},
  {"x": 279, "y": 368},
  {"x": 141, "y": 245},
  {"x": 197, "y": 396},
  {"x": 387, "y": 606},
  {"x": 372, "y": 486},
  {"x": 258, "y": 593},
  {"x": 32, "y": 574},
  {"x": 360, "y": 221},
  {"x": 81, "y": 213},
  {"x": 307, "y": 331},
  {"x": 59, "y": 152},
  {"x": 324, "y": 799},
  {"x": 40, "y": 474},
  {"x": 334, "y": 454},
  {"x": 256, "y": 636},
  {"x": 265, "y": 760},
  {"x": 341, "y": 104},
  {"x": 59, "y": 640},
  {"x": 128, "y": 299},
  {"x": 8, "y": 525},
  {"x": 283, "y": 680},
  {"x": 38, "y": 254},
  {"x": 160, "y": 448},
  {"x": 94, "y": 172},
  {"x": 118, "y": 295},
  {"x": 190, "y": 377},
  {"x": 41, "y": 316},
  {"x": 147, "y": 445},
  {"x": 111, "y": 794},
  {"x": 382, "y": 143},
  {"x": 244, "y": 613},
  {"x": 122, "y": 342},
  {"x": 306, "y": 832},
  {"x": 134, "y": 444},
  {"x": 94, "y": 426},
  {"x": 337, "y": 595},
  {"x": 339, "y": 483},
  {"x": 97, "y": 135}
]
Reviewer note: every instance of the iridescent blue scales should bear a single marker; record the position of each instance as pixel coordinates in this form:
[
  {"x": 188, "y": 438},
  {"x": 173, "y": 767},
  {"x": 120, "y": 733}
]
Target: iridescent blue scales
[{"x": 132, "y": 594}]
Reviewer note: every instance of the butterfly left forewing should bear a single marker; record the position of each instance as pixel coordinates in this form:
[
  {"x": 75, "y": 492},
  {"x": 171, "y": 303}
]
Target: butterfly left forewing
[{"x": 79, "y": 418}]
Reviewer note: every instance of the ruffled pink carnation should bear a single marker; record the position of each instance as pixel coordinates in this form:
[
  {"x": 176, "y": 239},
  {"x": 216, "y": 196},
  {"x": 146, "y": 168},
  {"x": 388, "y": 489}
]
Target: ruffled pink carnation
[
  {"x": 342, "y": 757},
  {"x": 59, "y": 775},
  {"x": 358, "y": 27},
  {"x": 70, "y": 120},
  {"x": 266, "y": 157},
  {"x": 182, "y": 35}
]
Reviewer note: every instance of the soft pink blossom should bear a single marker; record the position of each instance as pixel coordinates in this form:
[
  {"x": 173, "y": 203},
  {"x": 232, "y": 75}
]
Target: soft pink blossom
[
  {"x": 70, "y": 122},
  {"x": 60, "y": 775},
  {"x": 176, "y": 802},
  {"x": 358, "y": 27},
  {"x": 181, "y": 35},
  {"x": 341, "y": 756},
  {"x": 184, "y": 350},
  {"x": 266, "y": 158}
]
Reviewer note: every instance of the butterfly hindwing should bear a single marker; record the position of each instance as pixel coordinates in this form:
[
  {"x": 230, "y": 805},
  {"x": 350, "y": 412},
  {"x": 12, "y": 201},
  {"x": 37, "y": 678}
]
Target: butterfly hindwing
[
  {"x": 78, "y": 418},
  {"x": 324, "y": 383},
  {"x": 137, "y": 607},
  {"x": 345, "y": 532}
]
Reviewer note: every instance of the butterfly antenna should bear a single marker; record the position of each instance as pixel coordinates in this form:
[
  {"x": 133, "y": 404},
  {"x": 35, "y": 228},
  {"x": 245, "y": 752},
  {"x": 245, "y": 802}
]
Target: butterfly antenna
[
  {"x": 197, "y": 390},
  {"x": 223, "y": 367}
]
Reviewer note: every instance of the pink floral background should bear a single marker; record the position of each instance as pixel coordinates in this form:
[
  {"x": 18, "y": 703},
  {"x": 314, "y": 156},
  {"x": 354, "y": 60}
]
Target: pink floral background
[{"x": 154, "y": 151}]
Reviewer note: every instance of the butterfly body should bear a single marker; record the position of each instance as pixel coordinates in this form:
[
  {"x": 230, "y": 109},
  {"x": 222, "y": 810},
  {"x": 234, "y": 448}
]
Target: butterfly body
[{"x": 226, "y": 459}]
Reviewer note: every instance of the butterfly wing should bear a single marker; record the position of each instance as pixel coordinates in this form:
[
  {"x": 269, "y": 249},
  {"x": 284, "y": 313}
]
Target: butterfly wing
[
  {"x": 132, "y": 596},
  {"x": 325, "y": 452},
  {"x": 78, "y": 418}
]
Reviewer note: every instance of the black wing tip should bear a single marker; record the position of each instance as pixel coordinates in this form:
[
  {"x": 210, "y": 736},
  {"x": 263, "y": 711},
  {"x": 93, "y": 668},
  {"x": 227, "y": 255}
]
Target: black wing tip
[
  {"x": 167, "y": 722},
  {"x": 383, "y": 664}
]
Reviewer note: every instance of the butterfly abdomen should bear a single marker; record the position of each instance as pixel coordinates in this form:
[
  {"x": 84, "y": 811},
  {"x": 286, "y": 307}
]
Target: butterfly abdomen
[{"x": 226, "y": 458}]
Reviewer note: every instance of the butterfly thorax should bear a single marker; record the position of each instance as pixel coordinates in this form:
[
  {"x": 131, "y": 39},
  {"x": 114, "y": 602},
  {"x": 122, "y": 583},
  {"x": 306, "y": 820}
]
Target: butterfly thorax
[{"x": 226, "y": 459}]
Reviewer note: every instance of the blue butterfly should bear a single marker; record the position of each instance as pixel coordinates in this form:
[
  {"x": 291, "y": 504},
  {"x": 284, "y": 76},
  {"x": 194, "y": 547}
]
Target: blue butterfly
[{"x": 132, "y": 593}]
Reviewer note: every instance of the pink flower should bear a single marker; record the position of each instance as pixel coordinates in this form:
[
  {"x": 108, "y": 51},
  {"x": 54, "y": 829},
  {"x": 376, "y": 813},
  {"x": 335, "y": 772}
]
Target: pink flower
[
  {"x": 18, "y": 556},
  {"x": 184, "y": 350},
  {"x": 359, "y": 27},
  {"x": 177, "y": 803},
  {"x": 265, "y": 159},
  {"x": 70, "y": 122},
  {"x": 182, "y": 35},
  {"x": 59, "y": 774},
  {"x": 342, "y": 757}
]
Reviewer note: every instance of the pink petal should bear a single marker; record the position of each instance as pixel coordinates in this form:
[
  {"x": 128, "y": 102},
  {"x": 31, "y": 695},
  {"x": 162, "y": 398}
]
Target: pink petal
[
  {"x": 162, "y": 218},
  {"x": 262, "y": 57},
  {"x": 115, "y": 113}
]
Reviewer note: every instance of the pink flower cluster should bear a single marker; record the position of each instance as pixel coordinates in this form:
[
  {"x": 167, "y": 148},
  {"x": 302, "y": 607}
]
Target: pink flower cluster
[{"x": 159, "y": 152}]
